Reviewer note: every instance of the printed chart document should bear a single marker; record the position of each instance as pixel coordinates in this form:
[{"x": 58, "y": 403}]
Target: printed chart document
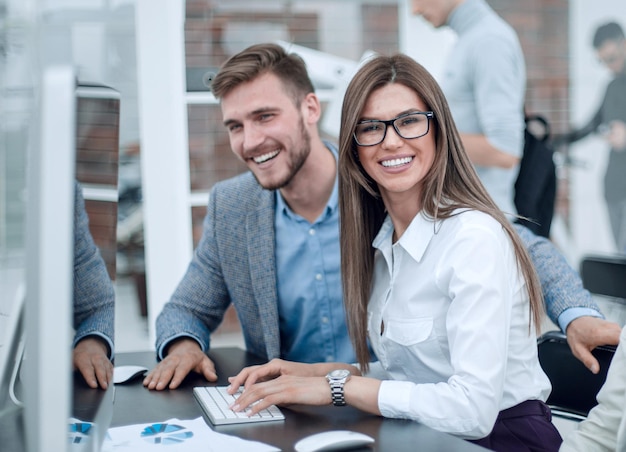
[{"x": 177, "y": 435}]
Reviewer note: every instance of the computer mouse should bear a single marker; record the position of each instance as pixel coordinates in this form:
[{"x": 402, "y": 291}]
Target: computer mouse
[
  {"x": 333, "y": 440},
  {"x": 122, "y": 374}
]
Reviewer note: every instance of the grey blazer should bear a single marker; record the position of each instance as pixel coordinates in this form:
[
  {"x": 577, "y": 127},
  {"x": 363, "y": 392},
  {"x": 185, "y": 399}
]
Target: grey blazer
[
  {"x": 233, "y": 263},
  {"x": 94, "y": 295}
]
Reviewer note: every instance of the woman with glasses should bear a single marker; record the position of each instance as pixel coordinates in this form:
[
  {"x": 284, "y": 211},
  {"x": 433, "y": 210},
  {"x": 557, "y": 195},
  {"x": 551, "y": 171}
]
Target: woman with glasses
[{"x": 435, "y": 280}]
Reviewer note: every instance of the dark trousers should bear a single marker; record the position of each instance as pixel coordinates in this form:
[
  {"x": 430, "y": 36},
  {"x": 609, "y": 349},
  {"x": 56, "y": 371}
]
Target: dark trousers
[{"x": 526, "y": 427}]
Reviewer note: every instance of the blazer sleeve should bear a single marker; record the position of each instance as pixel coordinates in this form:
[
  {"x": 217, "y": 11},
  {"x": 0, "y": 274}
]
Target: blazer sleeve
[
  {"x": 561, "y": 285},
  {"x": 200, "y": 300},
  {"x": 234, "y": 262},
  {"x": 94, "y": 296}
]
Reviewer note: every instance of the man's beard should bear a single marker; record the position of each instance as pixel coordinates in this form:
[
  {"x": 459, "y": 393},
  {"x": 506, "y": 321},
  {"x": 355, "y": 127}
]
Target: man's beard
[{"x": 295, "y": 163}]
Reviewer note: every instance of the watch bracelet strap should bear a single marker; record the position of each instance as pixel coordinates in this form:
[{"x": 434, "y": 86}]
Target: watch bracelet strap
[{"x": 337, "y": 395}]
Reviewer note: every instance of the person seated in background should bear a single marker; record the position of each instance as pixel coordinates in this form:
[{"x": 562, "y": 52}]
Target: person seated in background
[
  {"x": 604, "y": 429},
  {"x": 270, "y": 243},
  {"x": 94, "y": 304},
  {"x": 434, "y": 276}
]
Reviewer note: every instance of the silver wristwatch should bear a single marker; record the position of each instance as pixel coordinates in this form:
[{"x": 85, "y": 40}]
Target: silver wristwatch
[{"x": 337, "y": 379}]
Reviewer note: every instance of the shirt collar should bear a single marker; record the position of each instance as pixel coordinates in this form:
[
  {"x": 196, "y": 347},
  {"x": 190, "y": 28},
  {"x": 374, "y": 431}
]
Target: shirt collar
[
  {"x": 467, "y": 15},
  {"x": 333, "y": 202},
  {"x": 415, "y": 239}
]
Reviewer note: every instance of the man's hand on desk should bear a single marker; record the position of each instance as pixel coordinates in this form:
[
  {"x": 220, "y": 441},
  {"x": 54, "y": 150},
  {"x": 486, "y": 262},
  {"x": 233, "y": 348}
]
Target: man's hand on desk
[
  {"x": 182, "y": 357},
  {"x": 586, "y": 333},
  {"x": 91, "y": 359}
]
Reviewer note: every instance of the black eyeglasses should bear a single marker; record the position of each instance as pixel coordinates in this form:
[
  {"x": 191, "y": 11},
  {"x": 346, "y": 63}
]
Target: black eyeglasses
[{"x": 408, "y": 125}]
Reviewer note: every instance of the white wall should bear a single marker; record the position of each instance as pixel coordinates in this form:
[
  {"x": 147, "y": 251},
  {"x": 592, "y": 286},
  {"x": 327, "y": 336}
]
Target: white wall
[{"x": 418, "y": 39}]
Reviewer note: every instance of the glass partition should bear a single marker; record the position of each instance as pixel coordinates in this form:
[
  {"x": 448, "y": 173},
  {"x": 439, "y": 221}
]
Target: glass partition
[{"x": 38, "y": 129}]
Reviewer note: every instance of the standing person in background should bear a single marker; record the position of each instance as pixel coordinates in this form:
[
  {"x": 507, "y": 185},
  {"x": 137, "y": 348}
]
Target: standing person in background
[
  {"x": 94, "y": 304},
  {"x": 610, "y": 120},
  {"x": 484, "y": 82},
  {"x": 434, "y": 276}
]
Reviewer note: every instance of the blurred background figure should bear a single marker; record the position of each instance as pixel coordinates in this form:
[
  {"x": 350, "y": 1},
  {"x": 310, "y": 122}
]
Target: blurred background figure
[
  {"x": 484, "y": 81},
  {"x": 610, "y": 122}
]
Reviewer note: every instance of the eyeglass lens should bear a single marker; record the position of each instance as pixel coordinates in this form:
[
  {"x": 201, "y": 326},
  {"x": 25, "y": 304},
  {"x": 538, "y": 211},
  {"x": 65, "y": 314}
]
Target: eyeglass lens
[{"x": 371, "y": 132}]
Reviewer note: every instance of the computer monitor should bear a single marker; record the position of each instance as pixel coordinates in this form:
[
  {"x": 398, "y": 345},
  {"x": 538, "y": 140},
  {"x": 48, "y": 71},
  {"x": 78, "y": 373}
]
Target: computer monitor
[
  {"x": 46, "y": 366},
  {"x": 97, "y": 163},
  {"x": 37, "y": 357}
]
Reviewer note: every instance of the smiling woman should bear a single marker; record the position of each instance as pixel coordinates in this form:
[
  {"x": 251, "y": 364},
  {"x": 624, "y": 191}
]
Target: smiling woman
[{"x": 421, "y": 211}]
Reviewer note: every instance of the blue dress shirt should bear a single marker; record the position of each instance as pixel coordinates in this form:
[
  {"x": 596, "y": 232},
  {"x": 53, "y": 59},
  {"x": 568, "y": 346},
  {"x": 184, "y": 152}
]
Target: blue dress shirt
[{"x": 310, "y": 306}]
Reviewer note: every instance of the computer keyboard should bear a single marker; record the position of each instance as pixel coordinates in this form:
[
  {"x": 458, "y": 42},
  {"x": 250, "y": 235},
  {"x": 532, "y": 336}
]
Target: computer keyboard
[{"x": 215, "y": 402}]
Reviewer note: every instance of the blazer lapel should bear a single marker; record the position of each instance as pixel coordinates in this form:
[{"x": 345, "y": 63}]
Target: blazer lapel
[{"x": 261, "y": 248}]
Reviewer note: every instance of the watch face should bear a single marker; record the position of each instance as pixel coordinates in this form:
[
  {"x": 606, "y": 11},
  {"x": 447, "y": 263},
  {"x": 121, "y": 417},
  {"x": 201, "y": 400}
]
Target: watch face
[{"x": 339, "y": 373}]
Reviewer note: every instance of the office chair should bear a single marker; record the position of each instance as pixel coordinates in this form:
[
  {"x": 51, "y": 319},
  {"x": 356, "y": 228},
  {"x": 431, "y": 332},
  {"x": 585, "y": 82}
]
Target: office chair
[
  {"x": 574, "y": 387},
  {"x": 604, "y": 275}
]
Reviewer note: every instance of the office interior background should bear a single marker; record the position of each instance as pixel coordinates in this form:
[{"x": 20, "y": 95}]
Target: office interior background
[{"x": 171, "y": 147}]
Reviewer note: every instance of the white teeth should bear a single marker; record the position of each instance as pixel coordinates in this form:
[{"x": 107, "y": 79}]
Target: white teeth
[
  {"x": 265, "y": 157},
  {"x": 396, "y": 162}
]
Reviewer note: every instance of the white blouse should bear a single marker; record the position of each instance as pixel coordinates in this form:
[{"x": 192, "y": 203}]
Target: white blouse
[{"x": 448, "y": 319}]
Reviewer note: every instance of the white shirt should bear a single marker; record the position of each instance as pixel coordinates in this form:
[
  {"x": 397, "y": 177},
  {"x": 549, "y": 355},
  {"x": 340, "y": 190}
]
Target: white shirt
[{"x": 448, "y": 319}]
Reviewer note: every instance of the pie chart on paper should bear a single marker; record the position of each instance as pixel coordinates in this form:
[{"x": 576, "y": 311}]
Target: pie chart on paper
[
  {"x": 166, "y": 434},
  {"x": 79, "y": 432}
]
